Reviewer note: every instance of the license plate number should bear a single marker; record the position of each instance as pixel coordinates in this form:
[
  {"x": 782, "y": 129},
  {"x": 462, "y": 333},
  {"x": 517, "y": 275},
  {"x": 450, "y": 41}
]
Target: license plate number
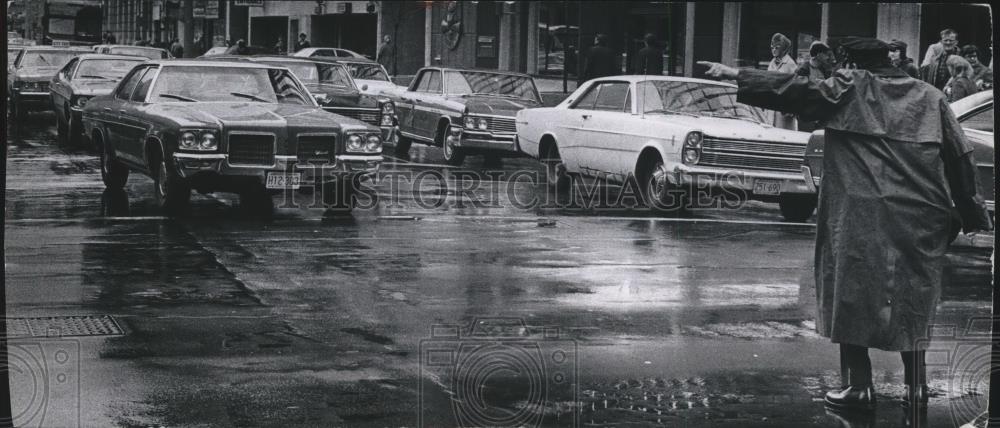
[
  {"x": 283, "y": 180},
  {"x": 766, "y": 187}
]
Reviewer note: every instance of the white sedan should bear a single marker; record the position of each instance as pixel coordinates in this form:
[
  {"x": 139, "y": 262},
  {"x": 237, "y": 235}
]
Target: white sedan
[
  {"x": 328, "y": 52},
  {"x": 672, "y": 134}
]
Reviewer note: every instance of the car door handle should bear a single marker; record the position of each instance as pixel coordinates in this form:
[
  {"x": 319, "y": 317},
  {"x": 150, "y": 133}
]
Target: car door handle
[
  {"x": 404, "y": 99},
  {"x": 585, "y": 116},
  {"x": 108, "y": 109},
  {"x": 121, "y": 111}
]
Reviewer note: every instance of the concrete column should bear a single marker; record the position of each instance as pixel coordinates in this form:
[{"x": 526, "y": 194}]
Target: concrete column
[
  {"x": 901, "y": 21},
  {"x": 731, "y": 36},
  {"x": 428, "y": 33},
  {"x": 689, "y": 39},
  {"x": 824, "y": 23},
  {"x": 506, "y": 40},
  {"x": 228, "y": 15},
  {"x": 532, "y": 65}
]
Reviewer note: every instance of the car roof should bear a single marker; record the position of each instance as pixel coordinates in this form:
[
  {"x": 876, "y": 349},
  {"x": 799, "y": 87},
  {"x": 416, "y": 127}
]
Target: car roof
[
  {"x": 634, "y": 78},
  {"x": 50, "y": 48},
  {"x": 477, "y": 70},
  {"x": 111, "y": 56},
  {"x": 132, "y": 47},
  {"x": 202, "y": 63},
  {"x": 351, "y": 59}
]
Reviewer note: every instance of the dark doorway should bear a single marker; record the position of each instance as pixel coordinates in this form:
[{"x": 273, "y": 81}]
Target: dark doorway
[
  {"x": 265, "y": 31},
  {"x": 972, "y": 22},
  {"x": 487, "y": 35},
  {"x": 356, "y": 32}
]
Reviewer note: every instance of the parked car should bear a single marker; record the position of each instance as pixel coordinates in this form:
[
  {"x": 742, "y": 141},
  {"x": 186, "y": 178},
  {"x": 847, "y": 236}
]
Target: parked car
[
  {"x": 81, "y": 79},
  {"x": 328, "y": 52},
  {"x": 974, "y": 112},
  {"x": 28, "y": 78},
  {"x": 669, "y": 133},
  {"x": 369, "y": 75},
  {"x": 250, "y": 50},
  {"x": 334, "y": 90},
  {"x": 143, "y": 51},
  {"x": 466, "y": 112},
  {"x": 241, "y": 127}
]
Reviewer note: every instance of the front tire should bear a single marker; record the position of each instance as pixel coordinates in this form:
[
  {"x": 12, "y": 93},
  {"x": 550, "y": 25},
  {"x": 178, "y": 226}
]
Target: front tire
[
  {"x": 453, "y": 156},
  {"x": 172, "y": 194},
  {"x": 75, "y": 129},
  {"x": 402, "y": 149},
  {"x": 797, "y": 207},
  {"x": 114, "y": 174},
  {"x": 659, "y": 193},
  {"x": 556, "y": 176}
]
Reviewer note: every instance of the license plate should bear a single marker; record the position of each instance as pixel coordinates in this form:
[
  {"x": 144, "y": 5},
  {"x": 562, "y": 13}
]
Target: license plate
[
  {"x": 766, "y": 187},
  {"x": 277, "y": 180}
]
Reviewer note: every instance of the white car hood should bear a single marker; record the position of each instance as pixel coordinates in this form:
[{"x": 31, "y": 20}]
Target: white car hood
[{"x": 733, "y": 128}]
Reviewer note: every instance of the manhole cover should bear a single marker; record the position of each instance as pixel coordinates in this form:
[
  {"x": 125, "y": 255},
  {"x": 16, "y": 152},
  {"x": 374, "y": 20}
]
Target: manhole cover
[{"x": 89, "y": 325}]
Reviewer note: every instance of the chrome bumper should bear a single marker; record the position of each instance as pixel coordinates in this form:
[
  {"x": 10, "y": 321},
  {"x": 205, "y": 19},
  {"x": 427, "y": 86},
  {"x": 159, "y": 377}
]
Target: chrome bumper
[
  {"x": 735, "y": 179},
  {"x": 487, "y": 141},
  {"x": 190, "y": 164}
]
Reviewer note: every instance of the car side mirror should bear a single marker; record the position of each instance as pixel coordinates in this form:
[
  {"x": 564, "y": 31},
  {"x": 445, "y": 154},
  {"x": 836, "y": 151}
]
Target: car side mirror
[{"x": 364, "y": 87}]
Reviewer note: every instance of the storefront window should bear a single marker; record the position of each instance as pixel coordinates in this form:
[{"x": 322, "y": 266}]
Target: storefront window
[
  {"x": 800, "y": 22},
  {"x": 558, "y": 35}
]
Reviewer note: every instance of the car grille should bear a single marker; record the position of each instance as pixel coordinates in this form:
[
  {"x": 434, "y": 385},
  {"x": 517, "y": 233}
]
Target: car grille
[
  {"x": 759, "y": 155},
  {"x": 251, "y": 149},
  {"x": 369, "y": 116},
  {"x": 503, "y": 125},
  {"x": 35, "y": 86},
  {"x": 316, "y": 147}
]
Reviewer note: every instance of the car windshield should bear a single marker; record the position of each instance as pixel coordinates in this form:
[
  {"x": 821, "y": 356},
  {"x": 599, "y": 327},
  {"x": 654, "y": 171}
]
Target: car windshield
[
  {"x": 47, "y": 58},
  {"x": 367, "y": 72},
  {"x": 105, "y": 68},
  {"x": 494, "y": 84},
  {"x": 308, "y": 72},
  {"x": 197, "y": 83},
  {"x": 150, "y": 53},
  {"x": 702, "y": 99}
]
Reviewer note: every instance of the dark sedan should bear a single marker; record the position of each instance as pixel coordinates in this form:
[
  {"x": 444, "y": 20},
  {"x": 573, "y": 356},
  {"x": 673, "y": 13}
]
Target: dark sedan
[
  {"x": 147, "y": 52},
  {"x": 335, "y": 90},
  {"x": 84, "y": 77},
  {"x": 28, "y": 78},
  {"x": 251, "y": 129},
  {"x": 464, "y": 111}
]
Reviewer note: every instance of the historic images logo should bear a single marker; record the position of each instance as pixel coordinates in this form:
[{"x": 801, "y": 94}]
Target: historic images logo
[
  {"x": 44, "y": 376},
  {"x": 451, "y": 25},
  {"x": 964, "y": 357},
  {"x": 500, "y": 374}
]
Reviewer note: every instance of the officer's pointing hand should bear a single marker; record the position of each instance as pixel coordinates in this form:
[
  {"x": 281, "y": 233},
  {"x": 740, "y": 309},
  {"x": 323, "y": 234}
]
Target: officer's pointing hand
[{"x": 719, "y": 70}]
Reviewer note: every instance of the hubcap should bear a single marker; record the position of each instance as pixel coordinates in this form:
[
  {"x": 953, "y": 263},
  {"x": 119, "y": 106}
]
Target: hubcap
[
  {"x": 161, "y": 182},
  {"x": 657, "y": 183},
  {"x": 449, "y": 149}
]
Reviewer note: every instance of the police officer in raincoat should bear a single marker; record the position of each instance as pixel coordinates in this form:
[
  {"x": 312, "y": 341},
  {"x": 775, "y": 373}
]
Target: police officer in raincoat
[{"x": 895, "y": 166}]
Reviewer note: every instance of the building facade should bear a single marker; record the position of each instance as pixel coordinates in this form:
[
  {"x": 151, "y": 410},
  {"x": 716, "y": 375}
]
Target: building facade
[
  {"x": 160, "y": 21},
  {"x": 544, "y": 38}
]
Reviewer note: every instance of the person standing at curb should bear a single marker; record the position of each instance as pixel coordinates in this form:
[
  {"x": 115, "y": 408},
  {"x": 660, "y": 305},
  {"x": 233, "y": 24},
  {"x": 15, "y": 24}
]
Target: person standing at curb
[{"x": 894, "y": 170}]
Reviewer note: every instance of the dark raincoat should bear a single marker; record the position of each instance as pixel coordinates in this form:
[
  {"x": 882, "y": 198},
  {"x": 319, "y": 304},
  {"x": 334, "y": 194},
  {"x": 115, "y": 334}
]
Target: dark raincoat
[{"x": 894, "y": 160}]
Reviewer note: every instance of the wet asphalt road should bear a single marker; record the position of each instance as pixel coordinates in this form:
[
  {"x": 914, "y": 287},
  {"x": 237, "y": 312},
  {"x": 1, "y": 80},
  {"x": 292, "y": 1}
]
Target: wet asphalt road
[{"x": 631, "y": 319}]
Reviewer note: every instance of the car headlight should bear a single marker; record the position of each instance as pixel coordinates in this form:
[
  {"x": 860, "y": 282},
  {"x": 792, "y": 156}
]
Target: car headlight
[
  {"x": 208, "y": 141},
  {"x": 482, "y": 124},
  {"x": 198, "y": 140},
  {"x": 691, "y": 153},
  {"x": 80, "y": 102},
  {"x": 188, "y": 141},
  {"x": 470, "y": 122},
  {"x": 355, "y": 143},
  {"x": 373, "y": 144}
]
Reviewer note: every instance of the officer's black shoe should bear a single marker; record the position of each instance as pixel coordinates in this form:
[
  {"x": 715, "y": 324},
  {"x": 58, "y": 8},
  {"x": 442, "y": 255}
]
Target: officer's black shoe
[
  {"x": 852, "y": 398},
  {"x": 917, "y": 396}
]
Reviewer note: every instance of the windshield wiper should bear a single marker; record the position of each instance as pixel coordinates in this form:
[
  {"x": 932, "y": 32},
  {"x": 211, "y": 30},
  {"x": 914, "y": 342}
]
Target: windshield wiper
[
  {"x": 92, "y": 76},
  {"x": 252, "y": 97},
  {"x": 177, "y": 97},
  {"x": 663, "y": 110},
  {"x": 726, "y": 116}
]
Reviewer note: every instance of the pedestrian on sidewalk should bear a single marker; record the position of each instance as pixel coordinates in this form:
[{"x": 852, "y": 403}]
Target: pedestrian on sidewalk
[
  {"x": 386, "y": 55},
  {"x": 302, "y": 43},
  {"x": 649, "y": 59},
  {"x": 600, "y": 60},
  {"x": 961, "y": 84},
  {"x": 176, "y": 48},
  {"x": 934, "y": 69},
  {"x": 279, "y": 46},
  {"x": 879, "y": 259},
  {"x": 981, "y": 74},
  {"x": 782, "y": 62},
  {"x": 897, "y": 55}
]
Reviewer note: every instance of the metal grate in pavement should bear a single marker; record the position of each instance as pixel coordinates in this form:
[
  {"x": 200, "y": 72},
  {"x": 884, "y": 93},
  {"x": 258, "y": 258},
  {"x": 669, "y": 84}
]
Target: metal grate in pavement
[{"x": 66, "y": 326}]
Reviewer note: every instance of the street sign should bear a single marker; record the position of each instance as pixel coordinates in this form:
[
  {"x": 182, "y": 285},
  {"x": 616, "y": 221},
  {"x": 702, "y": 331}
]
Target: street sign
[
  {"x": 249, "y": 3},
  {"x": 212, "y": 9}
]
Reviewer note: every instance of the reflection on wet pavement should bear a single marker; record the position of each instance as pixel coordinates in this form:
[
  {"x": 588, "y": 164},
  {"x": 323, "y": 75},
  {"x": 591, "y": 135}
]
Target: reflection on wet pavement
[{"x": 704, "y": 319}]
